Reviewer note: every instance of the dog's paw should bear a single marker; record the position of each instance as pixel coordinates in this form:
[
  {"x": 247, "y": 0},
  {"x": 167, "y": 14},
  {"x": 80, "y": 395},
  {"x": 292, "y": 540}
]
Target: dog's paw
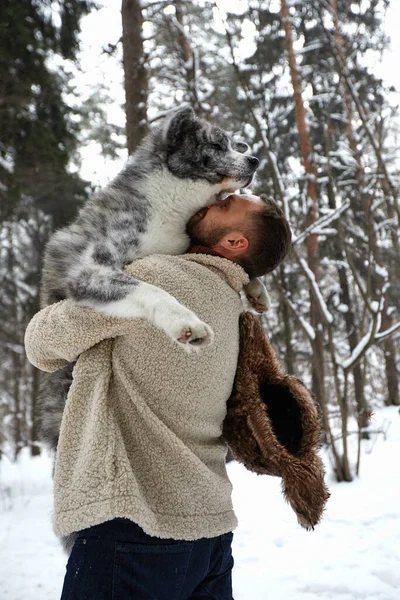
[
  {"x": 257, "y": 296},
  {"x": 179, "y": 323},
  {"x": 185, "y": 328},
  {"x": 195, "y": 337}
]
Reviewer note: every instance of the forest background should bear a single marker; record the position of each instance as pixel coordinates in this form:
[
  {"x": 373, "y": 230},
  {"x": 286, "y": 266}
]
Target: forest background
[{"x": 298, "y": 81}]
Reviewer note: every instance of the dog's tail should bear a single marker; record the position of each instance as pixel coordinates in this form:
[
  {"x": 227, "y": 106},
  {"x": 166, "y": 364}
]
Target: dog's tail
[
  {"x": 68, "y": 541},
  {"x": 52, "y": 397}
]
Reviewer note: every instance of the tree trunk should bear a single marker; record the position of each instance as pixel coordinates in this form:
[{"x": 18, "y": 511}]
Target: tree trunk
[
  {"x": 389, "y": 347},
  {"x": 289, "y": 354},
  {"x": 366, "y": 202},
  {"x": 188, "y": 59},
  {"x": 318, "y": 369},
  {"x": 136, "y": 84},
  {"x": 15, "y": 357},
  {"x": 346, "y": 299},
  {"x": 374, "y": 251}
]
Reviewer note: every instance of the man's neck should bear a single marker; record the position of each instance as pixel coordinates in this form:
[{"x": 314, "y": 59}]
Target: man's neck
[{"x": 198, "y": 249}]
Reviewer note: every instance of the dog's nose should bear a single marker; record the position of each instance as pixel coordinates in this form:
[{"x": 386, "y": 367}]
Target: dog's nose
[{"x": 254, "y": 162}]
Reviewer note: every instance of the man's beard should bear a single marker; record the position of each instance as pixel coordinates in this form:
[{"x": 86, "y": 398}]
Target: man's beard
[{"x": 201, "y": 235}]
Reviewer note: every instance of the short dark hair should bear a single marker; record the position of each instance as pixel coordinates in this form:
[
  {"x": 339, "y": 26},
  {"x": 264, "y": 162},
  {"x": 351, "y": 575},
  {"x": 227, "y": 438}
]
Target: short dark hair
[{"x": 270, "y": 239}]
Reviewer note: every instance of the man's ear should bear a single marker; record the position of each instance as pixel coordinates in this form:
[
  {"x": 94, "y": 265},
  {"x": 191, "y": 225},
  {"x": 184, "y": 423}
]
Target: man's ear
[
  {"x": 233, "y": 243},
  {"x": 179, "y": 124},
  {"x": 241, "y": 147}
]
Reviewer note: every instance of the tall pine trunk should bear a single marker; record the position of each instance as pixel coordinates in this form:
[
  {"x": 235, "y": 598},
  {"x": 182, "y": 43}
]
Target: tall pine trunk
[
  {"x": 136, "y": 84},
  {"x": 189, "y": 62},
  {"x": 318, "y": 369}
]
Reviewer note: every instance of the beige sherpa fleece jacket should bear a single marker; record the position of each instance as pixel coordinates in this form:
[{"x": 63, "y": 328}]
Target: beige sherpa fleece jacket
[{"x": 141, "y": 431}]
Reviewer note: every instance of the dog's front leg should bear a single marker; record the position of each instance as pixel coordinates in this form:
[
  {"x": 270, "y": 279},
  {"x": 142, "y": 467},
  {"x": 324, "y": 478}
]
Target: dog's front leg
[
  {"x": 139, "y": 299},
  {"x": 172, "y": 317}
]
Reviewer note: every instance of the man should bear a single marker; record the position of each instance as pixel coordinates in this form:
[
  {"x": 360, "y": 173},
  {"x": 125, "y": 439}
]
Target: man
[
  {"x": 140, "y": 471},
  {"x": 247, "y": 229}
]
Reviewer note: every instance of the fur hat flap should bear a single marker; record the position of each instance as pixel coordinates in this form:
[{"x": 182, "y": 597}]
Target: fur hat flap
[{"x": 272, "y": 424}]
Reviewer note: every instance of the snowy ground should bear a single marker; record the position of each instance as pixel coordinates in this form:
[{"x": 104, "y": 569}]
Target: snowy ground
[{"x": 354, "y": 554}]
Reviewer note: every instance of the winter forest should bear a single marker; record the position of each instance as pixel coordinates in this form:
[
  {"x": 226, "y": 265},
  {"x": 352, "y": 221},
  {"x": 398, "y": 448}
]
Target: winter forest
[{"x": 296, "y": 81}]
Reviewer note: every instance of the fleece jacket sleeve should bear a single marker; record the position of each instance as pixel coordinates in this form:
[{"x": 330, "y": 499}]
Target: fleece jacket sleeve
[{"x": 59, "y": 333}]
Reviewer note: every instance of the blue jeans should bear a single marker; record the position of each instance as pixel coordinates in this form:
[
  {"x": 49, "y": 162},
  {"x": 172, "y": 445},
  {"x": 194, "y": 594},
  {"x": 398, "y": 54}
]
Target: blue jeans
[{"x": 117, "y": 560}]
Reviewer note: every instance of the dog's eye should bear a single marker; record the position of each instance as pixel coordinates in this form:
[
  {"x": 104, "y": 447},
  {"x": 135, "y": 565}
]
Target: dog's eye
[{"x": 217, "y": 147}]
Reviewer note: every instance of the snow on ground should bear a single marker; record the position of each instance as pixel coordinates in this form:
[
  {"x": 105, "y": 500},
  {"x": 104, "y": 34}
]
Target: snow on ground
[{"x": 353, "y": 555}]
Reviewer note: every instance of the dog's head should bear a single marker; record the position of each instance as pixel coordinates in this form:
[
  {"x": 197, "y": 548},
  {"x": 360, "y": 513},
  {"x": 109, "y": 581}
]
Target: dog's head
[{"x": 196, "y": 149}]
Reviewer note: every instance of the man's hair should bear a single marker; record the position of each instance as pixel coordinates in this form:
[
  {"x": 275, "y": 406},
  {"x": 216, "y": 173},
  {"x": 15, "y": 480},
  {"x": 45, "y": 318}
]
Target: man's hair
[{"x": 270, "y": 238}]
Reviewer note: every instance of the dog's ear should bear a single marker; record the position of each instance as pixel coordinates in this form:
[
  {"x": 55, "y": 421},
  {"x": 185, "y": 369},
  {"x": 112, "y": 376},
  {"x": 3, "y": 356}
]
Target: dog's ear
[
  {"x": 241, "y": 147},
  {"x": 180, "y": 123}
]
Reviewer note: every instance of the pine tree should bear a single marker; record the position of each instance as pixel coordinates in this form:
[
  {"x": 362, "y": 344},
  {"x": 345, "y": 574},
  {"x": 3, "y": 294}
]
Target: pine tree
[{"x": 38, "y": 192}]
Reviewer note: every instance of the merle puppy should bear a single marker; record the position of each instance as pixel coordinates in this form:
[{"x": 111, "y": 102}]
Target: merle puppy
[{"x": 181, "y": 166}]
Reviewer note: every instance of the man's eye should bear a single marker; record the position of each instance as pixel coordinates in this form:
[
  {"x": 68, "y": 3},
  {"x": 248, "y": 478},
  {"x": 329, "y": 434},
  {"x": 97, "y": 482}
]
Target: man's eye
[{"x": 224, "y": 204}]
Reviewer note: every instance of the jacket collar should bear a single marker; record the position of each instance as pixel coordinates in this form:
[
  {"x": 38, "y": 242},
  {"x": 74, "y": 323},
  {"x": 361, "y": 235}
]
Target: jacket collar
[{"x": 230, "y": 271}]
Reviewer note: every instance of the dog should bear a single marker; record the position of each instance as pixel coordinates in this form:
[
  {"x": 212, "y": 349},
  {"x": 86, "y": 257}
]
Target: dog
[{"x": 180, "y": 166}]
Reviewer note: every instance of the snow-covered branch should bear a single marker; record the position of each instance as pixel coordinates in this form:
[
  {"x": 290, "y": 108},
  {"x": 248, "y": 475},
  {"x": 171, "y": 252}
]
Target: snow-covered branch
[
  {"x": 322, "y": 222},
  {"x": 18, "y": 284},
  {"x": 384, "y": 334},
  {"x": 371, "y": 336},
  {"x": 328, "y": 318}
]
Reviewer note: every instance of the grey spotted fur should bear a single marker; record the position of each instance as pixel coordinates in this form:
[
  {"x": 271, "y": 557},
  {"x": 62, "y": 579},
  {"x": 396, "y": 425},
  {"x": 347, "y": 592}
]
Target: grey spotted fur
[{"x": 179, "y": 167}]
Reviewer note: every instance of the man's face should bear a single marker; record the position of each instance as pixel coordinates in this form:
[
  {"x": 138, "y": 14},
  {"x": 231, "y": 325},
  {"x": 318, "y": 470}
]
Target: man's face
[{"x": 208, "y": 226}]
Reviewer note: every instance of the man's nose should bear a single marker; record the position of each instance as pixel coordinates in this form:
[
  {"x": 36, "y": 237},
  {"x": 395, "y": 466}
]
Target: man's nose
[{"x": 254, "y": 162}]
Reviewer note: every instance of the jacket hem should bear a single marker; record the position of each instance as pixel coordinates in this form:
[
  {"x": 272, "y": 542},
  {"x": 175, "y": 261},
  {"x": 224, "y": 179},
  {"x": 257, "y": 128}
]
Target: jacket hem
[{"x": 191, "y": 527}]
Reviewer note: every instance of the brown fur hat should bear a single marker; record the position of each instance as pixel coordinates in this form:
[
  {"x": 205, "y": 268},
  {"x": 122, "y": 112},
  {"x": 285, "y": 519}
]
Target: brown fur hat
[{"x": 272, "y": 424}]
